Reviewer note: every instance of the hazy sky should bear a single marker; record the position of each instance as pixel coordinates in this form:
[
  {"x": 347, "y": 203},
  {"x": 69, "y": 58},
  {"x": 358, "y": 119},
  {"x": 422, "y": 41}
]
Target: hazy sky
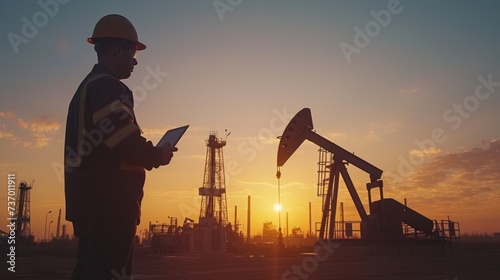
[{"x": 410, "y": 86}]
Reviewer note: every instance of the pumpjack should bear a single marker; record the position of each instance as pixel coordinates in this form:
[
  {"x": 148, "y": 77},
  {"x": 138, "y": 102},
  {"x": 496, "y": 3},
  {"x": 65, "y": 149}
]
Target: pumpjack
[{"x": 384, "y": 222}]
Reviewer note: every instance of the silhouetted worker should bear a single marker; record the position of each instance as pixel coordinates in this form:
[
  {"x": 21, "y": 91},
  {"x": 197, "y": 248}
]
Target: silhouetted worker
[{"x": 105, "y": 156}]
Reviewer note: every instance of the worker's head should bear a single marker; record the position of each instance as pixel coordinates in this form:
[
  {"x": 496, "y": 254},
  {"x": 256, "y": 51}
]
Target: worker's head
[{"x": 116, "y": 43}]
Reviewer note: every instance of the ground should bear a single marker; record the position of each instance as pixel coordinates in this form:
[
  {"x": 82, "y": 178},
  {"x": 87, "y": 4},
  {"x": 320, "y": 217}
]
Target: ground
[{"x": 467, "y": 261}]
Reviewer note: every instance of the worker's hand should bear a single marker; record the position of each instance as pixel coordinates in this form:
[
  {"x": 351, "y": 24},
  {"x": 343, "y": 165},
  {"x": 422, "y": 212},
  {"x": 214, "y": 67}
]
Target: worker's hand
[{"x": 167, "y": 153}]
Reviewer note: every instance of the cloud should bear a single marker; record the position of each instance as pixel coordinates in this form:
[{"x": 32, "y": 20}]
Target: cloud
[
  {"x": 6, "y": 134},
  {"x": 379, "y": 129},
  {"x": 464, "y": 181},
  {"x": 43, "y": 124},
  {"x": 256, "y": 183},
  {"x": 151, "y": 132},
  {"x": 408, "y": 91},
  {"x": 274, "y": 185},
  {"x": 337, "y": 135},
  {"x": 483, "y": 161},
  {"x": 41, "y": 140},
  {"x": 38, "y": 128},
  {"x": 7, "y": 115},
  {"x": 426, "y": 153},
  {"x": 268, "y": 140}
]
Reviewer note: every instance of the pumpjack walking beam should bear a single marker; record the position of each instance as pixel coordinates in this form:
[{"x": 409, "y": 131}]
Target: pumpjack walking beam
[{"x": 300, "y": 128}]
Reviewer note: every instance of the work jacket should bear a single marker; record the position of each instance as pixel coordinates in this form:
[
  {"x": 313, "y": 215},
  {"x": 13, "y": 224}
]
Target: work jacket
[{"x": 105, "y": 156}]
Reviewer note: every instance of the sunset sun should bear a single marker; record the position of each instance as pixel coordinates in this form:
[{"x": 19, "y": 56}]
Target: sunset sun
[{"x": 277, "y": 207}]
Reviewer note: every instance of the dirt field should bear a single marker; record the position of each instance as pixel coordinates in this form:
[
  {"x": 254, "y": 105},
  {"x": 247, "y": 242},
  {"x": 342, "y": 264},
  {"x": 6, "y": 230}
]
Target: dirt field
[{"x": 469, "y": 261}]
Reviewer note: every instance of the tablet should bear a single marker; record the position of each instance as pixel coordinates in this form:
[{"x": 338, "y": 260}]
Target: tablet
[{"x": 172, "y": 136}]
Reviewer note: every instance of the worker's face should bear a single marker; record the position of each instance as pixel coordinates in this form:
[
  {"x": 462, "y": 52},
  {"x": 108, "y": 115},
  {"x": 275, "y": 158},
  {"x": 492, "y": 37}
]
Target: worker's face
[{"x": 127, "y": 59}]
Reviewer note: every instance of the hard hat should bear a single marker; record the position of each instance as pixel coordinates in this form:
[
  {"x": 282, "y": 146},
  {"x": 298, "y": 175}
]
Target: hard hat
[{"x": 116, "y": 26}]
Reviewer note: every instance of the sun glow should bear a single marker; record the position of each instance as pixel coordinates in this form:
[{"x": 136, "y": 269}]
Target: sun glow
[{"x": 277, "y": 207}]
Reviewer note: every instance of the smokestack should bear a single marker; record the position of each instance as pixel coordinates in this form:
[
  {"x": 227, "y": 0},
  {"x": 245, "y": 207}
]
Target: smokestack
[
  {"x": 63, "y": 231},
  {"x": 310, "y": 220},
  {"x": 58, "y": 224},
  {"x": 236, "y": 218},
  {"x": 248, "y": 221},
  {"x": 286, "y": 232}
]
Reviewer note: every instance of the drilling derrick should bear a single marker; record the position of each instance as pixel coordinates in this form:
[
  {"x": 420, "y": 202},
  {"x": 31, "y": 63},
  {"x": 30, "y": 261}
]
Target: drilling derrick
[
  {"x": 213, "y": 192},
  {"x": 23, "y": 211}
]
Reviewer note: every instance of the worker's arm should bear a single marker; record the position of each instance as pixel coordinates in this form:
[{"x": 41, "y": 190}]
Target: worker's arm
[{"x": 111, "y": 106}]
